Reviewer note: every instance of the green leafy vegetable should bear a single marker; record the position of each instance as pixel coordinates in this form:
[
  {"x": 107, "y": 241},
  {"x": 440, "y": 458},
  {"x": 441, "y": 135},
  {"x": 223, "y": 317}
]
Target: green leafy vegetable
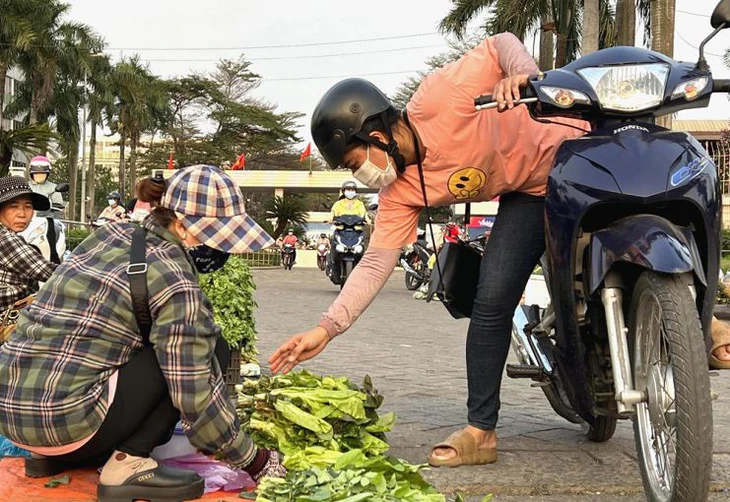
[
  {"x": 230, "y": 291},
  {"x": 300, "y": 410},
  {"x": 352, "y": 476},
  {"x": 63, "y": 480}
]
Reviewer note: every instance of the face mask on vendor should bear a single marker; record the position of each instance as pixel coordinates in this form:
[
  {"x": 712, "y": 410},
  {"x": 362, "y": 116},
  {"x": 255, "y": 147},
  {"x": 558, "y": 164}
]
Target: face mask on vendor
[
  {"x": 206, "y": 259},
  {"x": 112, "y": 202},
  {"x": 372, "y": 175}
]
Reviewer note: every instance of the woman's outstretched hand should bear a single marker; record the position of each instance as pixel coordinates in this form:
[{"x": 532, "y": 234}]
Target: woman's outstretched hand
[
  {"x": 507, "y": 91},
  {"x": 298, "y": 348}
]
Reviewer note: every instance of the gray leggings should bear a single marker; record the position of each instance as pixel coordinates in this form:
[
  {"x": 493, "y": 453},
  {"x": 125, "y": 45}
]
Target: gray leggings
[{"x": 515, "y": 245}]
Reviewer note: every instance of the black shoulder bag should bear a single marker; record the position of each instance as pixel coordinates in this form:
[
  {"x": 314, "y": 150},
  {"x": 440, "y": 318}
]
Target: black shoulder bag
[
  {"x": 137, "y": 272},
  {"x": 456, "y": 276}
]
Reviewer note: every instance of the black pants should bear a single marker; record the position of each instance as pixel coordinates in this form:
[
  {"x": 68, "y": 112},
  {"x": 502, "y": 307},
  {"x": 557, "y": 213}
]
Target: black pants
[
  {"x": 515, "y": 245},
  {"x": 142, "y": 415}
]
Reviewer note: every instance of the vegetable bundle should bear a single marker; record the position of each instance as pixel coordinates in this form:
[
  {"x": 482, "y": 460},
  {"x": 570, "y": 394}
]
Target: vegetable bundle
[{"x": 293, "y": 412}]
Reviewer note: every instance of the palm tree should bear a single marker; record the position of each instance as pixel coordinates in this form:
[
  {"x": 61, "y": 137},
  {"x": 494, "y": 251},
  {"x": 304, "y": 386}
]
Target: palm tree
[
  {"x": 130, "y": 83},
  {"x": 589, "y": 27},
  {"x": 56, "y": 48},
  {"x": 99, "y": 98},
  {"x": 286, "y": 211},
  {"x": 16, "y": 35},
  {"x": 27, "y": 140},
  {"x": 523, "y": 18}
]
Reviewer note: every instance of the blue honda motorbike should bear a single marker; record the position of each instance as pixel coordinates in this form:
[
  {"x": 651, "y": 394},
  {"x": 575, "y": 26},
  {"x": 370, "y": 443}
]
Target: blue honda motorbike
[{"x": 632, "y": 217}]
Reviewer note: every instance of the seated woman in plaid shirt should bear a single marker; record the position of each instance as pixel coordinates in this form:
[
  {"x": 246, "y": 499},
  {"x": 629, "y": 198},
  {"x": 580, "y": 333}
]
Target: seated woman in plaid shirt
[
  {"x": 21, "y": 265},
  {"x": 80, "y": 384}
]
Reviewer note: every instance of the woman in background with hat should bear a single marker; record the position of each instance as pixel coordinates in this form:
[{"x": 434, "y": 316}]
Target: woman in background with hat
[
  {"x": 21, "y": 265},
  {"x": 79, "y": 379}
]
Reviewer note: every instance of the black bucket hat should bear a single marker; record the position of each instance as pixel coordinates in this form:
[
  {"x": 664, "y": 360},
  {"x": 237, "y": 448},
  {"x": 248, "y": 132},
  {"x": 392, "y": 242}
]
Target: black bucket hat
[{"x": 15, "y": 186}]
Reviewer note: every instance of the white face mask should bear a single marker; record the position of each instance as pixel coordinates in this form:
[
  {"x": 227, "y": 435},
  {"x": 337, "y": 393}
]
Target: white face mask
[
  {"x": 350, "y": 194},
  {"x": 112, "y": 202},
  {"x": 373, "y": 176}
]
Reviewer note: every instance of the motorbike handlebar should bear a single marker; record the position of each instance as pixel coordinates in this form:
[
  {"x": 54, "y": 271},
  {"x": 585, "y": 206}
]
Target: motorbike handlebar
[
  {"x": 721, "y": 85},
  {"x": 486, "y": 101}
]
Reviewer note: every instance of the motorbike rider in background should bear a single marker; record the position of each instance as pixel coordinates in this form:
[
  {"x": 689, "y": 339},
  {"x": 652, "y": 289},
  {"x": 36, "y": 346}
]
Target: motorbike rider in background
[
  {"x": 292, "y": 239},
  {"x": 114, "y": 210},
  {"x": 39, "y": 172},
  {"x": 348, "y": 203}
]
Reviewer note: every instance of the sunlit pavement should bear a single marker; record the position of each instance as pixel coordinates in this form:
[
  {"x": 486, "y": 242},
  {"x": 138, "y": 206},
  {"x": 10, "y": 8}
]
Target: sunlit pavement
[{"x": 414, "y": 352}]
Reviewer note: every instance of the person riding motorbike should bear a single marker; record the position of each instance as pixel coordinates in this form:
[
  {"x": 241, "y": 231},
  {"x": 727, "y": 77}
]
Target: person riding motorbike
[
  {"x": 466, "y": 156},
  {"x": 121, "y": 344},
  {"x": 323, "y": 240},
  {"x": 39, "y": 171},
  {"x": 114, "y": 211},
  {"x": 21, "y": 265},
  {"x": 291, "y": 239},
  {"x": 348, "y": 203}
]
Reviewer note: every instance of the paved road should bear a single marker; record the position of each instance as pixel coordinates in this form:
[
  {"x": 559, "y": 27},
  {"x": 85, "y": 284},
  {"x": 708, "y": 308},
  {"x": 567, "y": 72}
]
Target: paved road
[{"x": 415, "y": 354}]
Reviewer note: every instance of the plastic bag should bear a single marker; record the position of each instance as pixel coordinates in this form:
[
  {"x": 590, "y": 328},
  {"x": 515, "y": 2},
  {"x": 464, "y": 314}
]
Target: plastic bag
[
  {"x": 217, "y": 475},
  {"x": 8, "y": 449}
]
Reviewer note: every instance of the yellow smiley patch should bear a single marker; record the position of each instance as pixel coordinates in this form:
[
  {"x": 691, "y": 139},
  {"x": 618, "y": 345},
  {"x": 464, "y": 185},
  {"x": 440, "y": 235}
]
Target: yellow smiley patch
[{"x": 467, "y": 183}]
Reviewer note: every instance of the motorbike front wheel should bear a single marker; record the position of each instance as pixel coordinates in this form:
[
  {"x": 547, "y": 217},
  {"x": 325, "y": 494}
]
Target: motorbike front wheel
[
  {"x": 412, "y": 282},
  {"x": 673, "y": 425},
  {"x": 347, "y": 267}
]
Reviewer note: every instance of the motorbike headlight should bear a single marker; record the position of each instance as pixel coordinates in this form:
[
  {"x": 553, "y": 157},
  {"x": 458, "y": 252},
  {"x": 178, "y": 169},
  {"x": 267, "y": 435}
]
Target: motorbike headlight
[
  {"x": 565, "y": 98},
  {"x": 358, "y": 249},
  {"x": 628, "y": 88},
  {"x": 691, "y": 89},
  {"x": 341, "y": 248}
]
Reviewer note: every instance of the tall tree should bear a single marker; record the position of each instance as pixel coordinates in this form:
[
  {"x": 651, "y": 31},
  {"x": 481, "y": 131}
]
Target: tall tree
[
  {"x": 523, "y": 18},
  {"x": 99, "y": 98},
  {"x": 130, "y": 81},
  {"x": 589, "y": 27},
  {"x": 626, "y": 22}
]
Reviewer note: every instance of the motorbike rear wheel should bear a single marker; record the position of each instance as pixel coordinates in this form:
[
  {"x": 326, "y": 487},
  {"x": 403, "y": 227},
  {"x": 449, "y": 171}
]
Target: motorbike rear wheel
[{"x": 673, "y": 426}]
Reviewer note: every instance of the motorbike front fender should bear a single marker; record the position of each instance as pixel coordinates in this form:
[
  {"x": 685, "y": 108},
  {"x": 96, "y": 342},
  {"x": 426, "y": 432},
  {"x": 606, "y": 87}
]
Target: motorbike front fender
[{"x": 646, "y": 240}]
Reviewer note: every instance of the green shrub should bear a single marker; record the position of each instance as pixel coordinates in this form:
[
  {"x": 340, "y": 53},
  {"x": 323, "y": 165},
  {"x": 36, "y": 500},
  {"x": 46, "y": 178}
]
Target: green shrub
[
  {"x": 74, "y": 237},
  {"x": 230, "y": 290}
]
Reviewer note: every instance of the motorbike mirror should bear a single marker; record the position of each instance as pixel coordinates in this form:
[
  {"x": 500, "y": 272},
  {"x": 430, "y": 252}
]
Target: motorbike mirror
[
  {"x": 721, "y": 15},
  {"x": 62, "y": 188},
  {"x": 373, "y": 207}
]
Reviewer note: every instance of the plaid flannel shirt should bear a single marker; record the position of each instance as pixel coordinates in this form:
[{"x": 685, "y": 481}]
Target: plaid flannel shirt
[
  {"x": 81, "y": 328},
  {"x": 21, "y": 267}
]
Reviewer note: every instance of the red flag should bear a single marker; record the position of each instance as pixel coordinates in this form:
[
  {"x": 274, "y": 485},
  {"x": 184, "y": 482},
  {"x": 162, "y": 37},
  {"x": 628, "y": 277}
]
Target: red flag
[
  {"x": 171, "y": 162},
  {"x": 240, "y": 163},
  {"x": 306, "y": 153}
]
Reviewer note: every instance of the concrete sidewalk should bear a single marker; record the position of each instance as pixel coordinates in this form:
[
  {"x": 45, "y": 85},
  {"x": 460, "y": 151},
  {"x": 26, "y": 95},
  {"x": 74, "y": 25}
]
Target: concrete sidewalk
[{"x": 415, "y": 354}]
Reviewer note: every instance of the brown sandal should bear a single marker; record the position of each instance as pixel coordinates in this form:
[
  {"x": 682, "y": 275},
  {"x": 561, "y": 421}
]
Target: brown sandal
[
  {"x": 466, "y": 450},
  {"x": 720, "y": 338}
]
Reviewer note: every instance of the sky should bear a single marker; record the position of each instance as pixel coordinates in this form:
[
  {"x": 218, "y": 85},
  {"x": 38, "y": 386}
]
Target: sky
[{"x": 301, "y": 48}]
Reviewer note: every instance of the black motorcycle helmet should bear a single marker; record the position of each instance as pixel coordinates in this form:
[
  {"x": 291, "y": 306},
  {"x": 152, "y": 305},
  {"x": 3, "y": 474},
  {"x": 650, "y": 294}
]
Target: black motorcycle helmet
[{"x": 349, "y": 111}]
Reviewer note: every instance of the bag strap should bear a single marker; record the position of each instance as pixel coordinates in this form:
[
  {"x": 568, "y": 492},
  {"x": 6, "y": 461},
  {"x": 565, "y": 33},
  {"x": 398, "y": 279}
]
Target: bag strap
[
  {"x": 417, "y": 147},
  {"x": 137, "y": 273}
]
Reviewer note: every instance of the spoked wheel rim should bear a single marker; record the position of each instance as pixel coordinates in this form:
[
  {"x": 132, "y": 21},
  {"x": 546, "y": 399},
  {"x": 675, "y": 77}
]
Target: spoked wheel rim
[{"x": 656, "y": 416}]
